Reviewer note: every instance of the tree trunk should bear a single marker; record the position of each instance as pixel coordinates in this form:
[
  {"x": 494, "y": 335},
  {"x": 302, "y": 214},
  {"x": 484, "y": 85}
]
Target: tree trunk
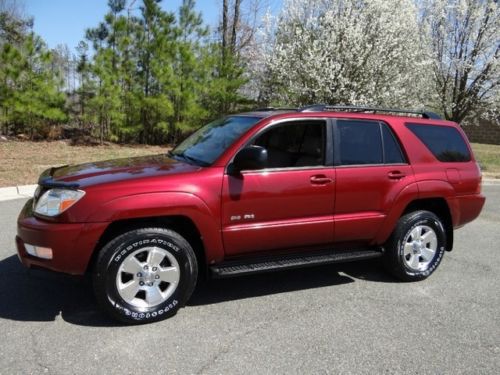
[
  {"x": 236, "y": 21},
  {"x": 224, "y": 30}
]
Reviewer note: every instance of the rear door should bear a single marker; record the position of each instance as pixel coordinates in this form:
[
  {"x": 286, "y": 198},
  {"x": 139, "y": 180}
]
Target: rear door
[
  {"x": 371, "y": 170},
  {"x": 288, "y": 205}
]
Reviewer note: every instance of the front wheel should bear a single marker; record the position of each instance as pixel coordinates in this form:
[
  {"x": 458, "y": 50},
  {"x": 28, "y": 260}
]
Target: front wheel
[
  {"x": 145, "y": 275},
  {"x": 416, "y": 247}
]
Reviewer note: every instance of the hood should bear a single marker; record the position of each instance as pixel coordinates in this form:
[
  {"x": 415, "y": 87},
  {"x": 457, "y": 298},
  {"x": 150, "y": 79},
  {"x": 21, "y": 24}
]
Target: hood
[{"x": 117, "y": 170}]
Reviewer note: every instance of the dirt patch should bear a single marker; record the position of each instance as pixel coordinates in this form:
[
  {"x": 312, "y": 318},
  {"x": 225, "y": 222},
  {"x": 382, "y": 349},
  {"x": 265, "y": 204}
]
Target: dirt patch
[{"x": 22, "y": 162}]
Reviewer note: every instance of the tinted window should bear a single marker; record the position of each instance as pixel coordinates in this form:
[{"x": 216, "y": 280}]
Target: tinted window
[
  {"x": 297, "y": 144},
  {"x": 360, "y": 142},
  {"x": 392, "y": 151},
  {"x": 208, "y": 143},
  {"x": 445, "y": 142}
]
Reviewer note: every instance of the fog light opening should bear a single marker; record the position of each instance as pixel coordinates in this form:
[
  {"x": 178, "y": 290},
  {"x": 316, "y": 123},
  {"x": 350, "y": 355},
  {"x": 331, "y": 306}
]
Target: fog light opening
[{"x": 38, "y": 251}]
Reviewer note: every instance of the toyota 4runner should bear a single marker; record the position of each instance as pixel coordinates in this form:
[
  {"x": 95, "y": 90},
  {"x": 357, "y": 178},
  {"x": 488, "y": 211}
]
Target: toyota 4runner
[{"x": 256, "y": 192}]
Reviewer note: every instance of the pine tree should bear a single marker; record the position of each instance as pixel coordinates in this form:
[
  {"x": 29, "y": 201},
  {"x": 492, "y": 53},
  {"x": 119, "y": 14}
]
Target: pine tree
[
  {"x": 29, "y": 88},
  {"x": 189, "y": 71}
]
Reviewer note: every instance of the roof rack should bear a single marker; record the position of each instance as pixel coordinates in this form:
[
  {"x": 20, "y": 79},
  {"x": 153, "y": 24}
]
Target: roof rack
[
  {"x": 265, "y": 109},
  {"x": 347, "y": 108}
]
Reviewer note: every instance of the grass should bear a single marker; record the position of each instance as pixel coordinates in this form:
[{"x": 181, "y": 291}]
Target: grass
[
  {"x": 22, "y": 162},
  {"x": 488, "y": 157}
]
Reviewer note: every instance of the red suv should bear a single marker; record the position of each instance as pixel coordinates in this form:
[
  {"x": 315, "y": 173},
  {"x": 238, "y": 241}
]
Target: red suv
[{"x": 255, "y": 192}]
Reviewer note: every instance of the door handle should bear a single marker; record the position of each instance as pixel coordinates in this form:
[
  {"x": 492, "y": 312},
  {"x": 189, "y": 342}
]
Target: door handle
[
  {"x": 320, "y": 179},
  {"x": 396, "y": 175}
]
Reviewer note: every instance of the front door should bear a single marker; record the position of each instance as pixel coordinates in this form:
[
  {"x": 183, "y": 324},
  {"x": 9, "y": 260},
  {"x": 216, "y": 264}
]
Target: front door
[{"x": 290, "y": 204}]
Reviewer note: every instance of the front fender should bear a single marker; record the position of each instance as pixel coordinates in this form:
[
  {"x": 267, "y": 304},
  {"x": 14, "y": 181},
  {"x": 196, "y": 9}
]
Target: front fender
[{"x": 166, "y": 204}]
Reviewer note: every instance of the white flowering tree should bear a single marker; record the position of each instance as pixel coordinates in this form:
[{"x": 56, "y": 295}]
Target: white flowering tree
[
  {"x": 361, "y": 52},
  {"x": 464, "y": 36}
]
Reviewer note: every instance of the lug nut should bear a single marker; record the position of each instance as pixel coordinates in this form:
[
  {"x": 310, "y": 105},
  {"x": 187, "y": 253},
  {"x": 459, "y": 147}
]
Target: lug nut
[
  {"x": 141, "y": 283},
  {"x": 139, "y": 274},
  {"x": 155, "y": 269},
  {"x": 157, "y": 277},
  {"x": 146, "y": 268}
]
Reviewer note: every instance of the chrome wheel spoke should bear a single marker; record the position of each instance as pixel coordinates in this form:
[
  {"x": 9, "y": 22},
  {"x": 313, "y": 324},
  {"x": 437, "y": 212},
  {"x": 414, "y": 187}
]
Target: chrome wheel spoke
[
  {"x": 154, "y": 295},
  {"x": 428, "y": 254},
  {"x": 129, "y": 290},
  {"x": 131, "y": 265},
  {"x": 414, "y": 261},
  {"x": 155, "y": 257},
  {"x": 416, "y": 233},
  {"x": 169, "y": 275},
  {"x": 408, "y": 248},
  {"x": 430, "y": 240}
]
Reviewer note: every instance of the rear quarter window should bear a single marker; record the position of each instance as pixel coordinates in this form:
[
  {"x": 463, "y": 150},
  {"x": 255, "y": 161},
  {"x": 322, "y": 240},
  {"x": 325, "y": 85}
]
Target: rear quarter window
[{"x": 445, "y": 142}]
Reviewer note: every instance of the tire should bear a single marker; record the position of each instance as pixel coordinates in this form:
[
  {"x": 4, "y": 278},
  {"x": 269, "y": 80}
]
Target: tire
[
  {"x": 145, "y": 275},
  {"x": 416, "y": 247}
]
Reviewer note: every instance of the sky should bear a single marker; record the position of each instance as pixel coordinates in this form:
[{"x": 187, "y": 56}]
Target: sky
[{"x": 65, "y": 21}]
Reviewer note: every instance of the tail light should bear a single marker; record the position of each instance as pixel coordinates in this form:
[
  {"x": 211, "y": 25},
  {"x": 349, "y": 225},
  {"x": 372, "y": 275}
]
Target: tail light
[{"x": 480, "y": 182}]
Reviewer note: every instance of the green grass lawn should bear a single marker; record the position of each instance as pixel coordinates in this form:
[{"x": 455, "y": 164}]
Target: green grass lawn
[{"x": 488, "y": 157}]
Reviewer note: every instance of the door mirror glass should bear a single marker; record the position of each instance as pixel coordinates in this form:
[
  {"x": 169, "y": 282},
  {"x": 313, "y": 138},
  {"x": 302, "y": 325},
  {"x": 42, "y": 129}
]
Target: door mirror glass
[{"x": 249, "y": 158}]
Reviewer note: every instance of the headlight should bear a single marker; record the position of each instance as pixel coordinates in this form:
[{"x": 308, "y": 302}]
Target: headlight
[{"x": 56, "y": 201}]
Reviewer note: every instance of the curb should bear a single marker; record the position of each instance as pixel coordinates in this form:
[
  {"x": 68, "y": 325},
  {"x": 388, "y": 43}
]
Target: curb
[
  {"x": 27, "y": 191},
  {"x": 17, "y": 192},
  {"x": 491, "y": 181}
]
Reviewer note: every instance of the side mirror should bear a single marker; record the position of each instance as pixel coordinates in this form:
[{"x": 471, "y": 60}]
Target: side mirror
[{"x": 251, "y": 157}]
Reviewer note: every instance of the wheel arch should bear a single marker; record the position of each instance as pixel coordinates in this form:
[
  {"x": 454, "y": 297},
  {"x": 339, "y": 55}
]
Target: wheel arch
[
  {"x": 178, "y": 223},
  {"x": 437, "y": 205},
  {"x": 179, "y": 209}
]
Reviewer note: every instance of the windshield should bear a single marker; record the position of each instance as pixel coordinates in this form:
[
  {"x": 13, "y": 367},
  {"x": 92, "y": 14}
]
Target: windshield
[{"x": 208, "y": 143}]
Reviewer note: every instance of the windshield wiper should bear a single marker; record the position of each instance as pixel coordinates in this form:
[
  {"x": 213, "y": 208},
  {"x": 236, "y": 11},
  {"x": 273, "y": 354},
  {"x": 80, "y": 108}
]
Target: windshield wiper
[{"x": 189, "y": 159}]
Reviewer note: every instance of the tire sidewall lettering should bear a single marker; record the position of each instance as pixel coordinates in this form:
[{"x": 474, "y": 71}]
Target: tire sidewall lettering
[
  {"x": 154, "y": 313},
  {"x": 439, "y": 230},
  {"x": 144, "y": 243},
  {"x": 146, "y": 315}
]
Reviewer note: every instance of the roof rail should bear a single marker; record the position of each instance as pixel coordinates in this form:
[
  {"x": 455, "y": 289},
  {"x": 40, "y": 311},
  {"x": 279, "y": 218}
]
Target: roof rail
[
  {"x": 348, "y": 108},
  {"x": 264, "y": 109}
]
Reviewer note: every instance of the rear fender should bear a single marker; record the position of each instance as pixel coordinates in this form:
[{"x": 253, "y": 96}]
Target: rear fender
[
  {"x": 422, "y": 190},
  {"x": 404, "y": 198}
]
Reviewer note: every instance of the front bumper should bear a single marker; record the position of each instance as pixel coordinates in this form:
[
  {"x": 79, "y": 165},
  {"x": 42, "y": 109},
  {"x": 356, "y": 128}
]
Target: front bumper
[{"x": 72, "y": 244}]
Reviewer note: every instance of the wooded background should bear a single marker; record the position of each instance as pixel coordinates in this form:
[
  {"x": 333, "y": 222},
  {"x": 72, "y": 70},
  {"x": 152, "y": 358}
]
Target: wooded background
[{"x": 150, "y": 76}]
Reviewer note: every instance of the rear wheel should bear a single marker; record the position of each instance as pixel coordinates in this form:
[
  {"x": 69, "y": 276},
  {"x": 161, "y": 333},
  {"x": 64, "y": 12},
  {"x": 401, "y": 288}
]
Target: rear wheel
[
  {"x": 416, "y": 247},
  {"x": 145, "y": 275}
]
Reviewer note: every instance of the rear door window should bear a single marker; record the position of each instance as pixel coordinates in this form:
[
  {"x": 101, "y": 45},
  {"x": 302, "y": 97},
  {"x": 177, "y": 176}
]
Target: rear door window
[
  {"x": 366, "y": 142},
  {"x": 445, "y": 142}
]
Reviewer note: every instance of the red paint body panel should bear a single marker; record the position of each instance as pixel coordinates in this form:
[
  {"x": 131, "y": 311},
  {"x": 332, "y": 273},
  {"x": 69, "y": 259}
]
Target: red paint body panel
[
  {"x": 364, "y": 196},
  {"x": 259, "y": 211},
  {"x": 147, "y": 205},
  {"x": 72, "y": 244},
  {"x": 277, "y": 210}
]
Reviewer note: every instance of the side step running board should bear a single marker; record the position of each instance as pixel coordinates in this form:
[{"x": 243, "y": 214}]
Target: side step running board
[{"x": 285, "y": 262}]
